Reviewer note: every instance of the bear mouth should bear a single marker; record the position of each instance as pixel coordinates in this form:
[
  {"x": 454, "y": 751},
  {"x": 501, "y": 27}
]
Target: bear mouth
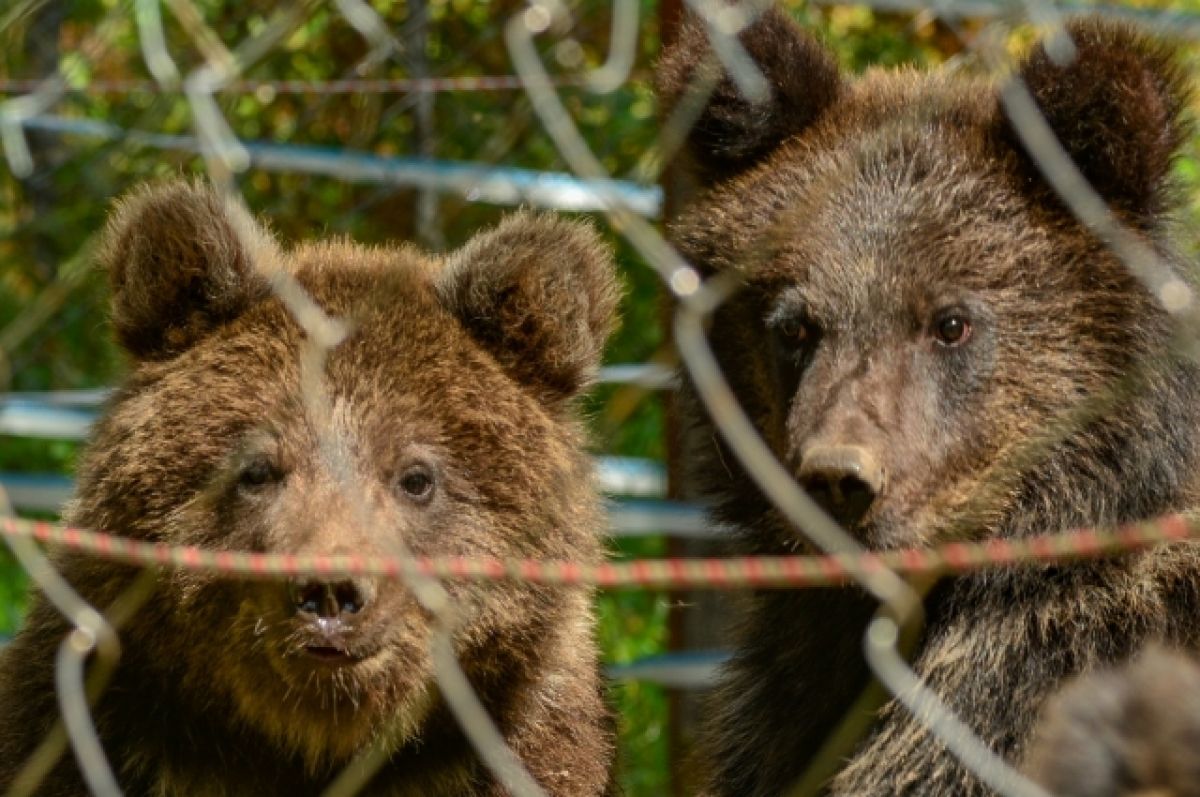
[
  {"x": 330, "y": 643},
  {"x": 331, "y": 654},
  {"x": 329, "y": 650}
]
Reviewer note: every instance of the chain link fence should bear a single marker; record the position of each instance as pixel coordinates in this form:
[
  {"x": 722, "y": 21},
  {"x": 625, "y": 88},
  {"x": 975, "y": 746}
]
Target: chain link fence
[{"x": 425, "y": 121}]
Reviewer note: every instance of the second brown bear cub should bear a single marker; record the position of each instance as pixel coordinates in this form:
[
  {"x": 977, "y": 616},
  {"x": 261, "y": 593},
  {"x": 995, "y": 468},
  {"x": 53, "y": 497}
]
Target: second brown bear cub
[
  {"x": 938, "y": 350},
  {"x": 445, "y": 420}
]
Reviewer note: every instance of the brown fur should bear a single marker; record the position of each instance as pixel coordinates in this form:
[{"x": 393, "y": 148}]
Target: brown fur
[
  {"x": 466, "y": 370},
  {"x": 868, "y": 210},
  {"x": 1132, "y": 732}
]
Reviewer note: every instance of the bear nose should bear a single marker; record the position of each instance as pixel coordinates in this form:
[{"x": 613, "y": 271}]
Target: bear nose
[
  {"x": 844, "y": 479},
  {"x": 328, "y": 599}
]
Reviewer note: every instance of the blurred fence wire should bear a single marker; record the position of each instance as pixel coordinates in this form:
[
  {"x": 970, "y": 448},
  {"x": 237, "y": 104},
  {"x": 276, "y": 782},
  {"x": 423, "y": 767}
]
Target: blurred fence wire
[{"x": 199, "y": 97}]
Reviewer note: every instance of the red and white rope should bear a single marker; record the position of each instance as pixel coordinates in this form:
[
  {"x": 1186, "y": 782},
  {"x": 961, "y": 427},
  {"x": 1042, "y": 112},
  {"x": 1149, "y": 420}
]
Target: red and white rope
[{"x": 723, "y": 573}]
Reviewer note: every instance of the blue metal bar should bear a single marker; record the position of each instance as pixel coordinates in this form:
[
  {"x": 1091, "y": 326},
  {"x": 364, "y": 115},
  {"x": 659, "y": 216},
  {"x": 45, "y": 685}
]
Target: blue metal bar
[
  {"x": 496, "y": 185},
  {"x": 647, "y": 518},
  {"x": 683, "y": 670},
  {"x": 631, "y": 476},
  {"x": 42, "y": 493},
  {"x": 25, "y": 418}
]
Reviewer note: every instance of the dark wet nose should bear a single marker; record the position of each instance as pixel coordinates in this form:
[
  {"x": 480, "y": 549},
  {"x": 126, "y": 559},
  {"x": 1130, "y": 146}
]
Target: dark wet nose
[
  {"x": 328, "y": 599},
  {"x": 843, "y": 479}
]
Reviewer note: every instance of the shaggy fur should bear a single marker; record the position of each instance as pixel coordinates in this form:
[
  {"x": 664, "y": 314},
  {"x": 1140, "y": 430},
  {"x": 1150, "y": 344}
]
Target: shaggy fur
[
  {"x": 867, "y": 213},
  {"x": 1132, "y": 732},
  {"x": 463, "y": 371}
]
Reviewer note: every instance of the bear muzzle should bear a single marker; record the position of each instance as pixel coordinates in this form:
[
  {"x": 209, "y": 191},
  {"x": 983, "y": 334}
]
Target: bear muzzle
[
  {"x": 327, "y": 617},
  {"x": 844, "y": 479}
]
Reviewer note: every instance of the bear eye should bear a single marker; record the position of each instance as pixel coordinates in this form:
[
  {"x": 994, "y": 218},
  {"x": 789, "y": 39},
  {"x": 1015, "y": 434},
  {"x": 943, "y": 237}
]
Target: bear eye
[
  {"x": 794, "y": 329},
  {"x": 258, "y": 473},
  {"x": 952, "y": 328},
  {"x": 417, "y": 484}
]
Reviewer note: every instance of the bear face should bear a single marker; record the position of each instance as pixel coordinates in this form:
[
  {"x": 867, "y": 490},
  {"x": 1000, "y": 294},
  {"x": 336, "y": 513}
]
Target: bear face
[
  {"x": 905, "y": 269},
  {"x": 424, "y": 406},
  {"x": 936, "y": 348}
]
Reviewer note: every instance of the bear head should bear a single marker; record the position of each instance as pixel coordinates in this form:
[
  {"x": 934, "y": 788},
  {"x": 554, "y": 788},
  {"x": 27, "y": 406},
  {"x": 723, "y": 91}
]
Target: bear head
[
  {"x": 338, "y": 399},
  {"x": 925, "y": 335}
]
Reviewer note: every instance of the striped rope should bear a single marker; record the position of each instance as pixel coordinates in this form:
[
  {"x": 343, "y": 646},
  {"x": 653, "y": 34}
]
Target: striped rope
[{"x": 724, "y": 573}]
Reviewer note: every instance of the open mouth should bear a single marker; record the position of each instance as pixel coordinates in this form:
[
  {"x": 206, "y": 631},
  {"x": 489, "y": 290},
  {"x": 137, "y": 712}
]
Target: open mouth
[{"x": 329, "y": 654}]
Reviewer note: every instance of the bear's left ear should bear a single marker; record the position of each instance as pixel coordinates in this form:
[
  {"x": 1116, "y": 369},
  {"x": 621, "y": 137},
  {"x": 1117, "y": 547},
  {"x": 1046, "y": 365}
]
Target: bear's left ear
[
  {"x": 1116, "y": 108},
  {"x": 540, "y": 293}
]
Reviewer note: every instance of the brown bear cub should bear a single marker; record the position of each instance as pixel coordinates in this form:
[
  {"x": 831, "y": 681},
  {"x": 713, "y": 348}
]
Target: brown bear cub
[
  {"x": 938, "y": 350},
  {"x": 445, "y": 422}
]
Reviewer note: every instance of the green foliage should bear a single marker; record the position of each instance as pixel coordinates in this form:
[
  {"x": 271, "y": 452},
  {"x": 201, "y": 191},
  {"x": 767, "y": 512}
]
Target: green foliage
[
  {"x": 633, "y": 625},
  {"x": 13, "y": 593}
]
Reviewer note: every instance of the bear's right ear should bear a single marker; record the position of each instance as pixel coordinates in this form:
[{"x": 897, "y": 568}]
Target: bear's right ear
[
  {"x": 732, "y": 133},
  {"x": 540, "y": 294},
  {"x": 181, "y": 261}
]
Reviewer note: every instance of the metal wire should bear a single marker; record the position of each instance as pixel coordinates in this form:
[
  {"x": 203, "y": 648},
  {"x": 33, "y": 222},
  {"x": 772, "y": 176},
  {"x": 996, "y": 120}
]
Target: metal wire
[{"x": 223, "y": 68}]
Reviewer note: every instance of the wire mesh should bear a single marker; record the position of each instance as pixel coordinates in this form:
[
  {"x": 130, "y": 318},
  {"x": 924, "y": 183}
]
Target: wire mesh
[{"x": 127, "y": 90}]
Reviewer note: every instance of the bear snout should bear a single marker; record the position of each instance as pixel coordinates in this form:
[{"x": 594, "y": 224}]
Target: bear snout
[
  {"x": 330, "y": 600},
  {"x": 844, "y": 479},
  {"x": 328, "y": 618}
]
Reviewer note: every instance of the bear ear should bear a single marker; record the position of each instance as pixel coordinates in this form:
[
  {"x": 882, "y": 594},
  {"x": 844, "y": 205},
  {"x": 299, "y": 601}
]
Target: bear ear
[
  {"x": 733, "y": 132},
  {"x": 181, "y": 261},
  {"x": 1117, "y": 108},
  {"x": 540, "y": 294}
]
